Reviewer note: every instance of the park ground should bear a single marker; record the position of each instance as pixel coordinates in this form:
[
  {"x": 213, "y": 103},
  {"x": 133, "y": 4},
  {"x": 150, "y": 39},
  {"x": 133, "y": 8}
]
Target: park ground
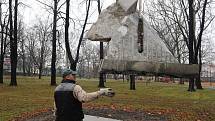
[{"x": 169, "y": 101}]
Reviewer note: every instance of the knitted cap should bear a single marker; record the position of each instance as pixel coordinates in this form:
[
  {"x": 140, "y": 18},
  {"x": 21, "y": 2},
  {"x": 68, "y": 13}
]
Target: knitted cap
[{"x": 67, "y": 72}]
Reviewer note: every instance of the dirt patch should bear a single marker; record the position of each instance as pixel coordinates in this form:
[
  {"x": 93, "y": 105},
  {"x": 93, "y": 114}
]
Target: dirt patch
[
  {"x": 105, "y": 112},
  {"x": 126, "y": 116}
]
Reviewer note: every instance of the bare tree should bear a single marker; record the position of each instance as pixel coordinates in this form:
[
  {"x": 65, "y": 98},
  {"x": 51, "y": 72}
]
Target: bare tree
[
  {"x": 43, "y": 31},
  {"x": 161, "y": 19},
  {"x": 191, "y": 21},
  {"x": 191, "y": 39},
  {"x": 22, "y": 52},
  {"x": 89, "y": 60},
  {"x": 55, "y": 10},
  {"x": 74, "y": 61},
  {"x": 31, "y": 46},
  {"x": 13, "y": 41},
  {"x": 54, "y": 31},
  {"x": 196, "y": 9},
  {"x": 4, "y": 22}
]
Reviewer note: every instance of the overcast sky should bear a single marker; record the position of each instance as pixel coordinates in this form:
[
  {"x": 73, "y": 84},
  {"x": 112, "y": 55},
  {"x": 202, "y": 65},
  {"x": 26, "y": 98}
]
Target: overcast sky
[{"x": 35, "y": 10}]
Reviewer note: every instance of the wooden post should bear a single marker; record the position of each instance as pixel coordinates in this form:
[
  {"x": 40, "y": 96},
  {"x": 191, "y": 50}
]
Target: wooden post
[
  {"x": 101, "y": 80},
  {"x": 102, "y": 75},
  {"x": 132, "y": 82},
  {"x": 123, "y": 77}
]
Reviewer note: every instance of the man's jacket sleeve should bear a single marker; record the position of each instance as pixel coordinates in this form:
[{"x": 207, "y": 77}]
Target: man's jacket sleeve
[{"x": 83, "y": 96}]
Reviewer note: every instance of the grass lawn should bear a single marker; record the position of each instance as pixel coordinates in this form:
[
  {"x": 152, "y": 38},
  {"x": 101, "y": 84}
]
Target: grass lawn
[{"x": 172, "y": 100}]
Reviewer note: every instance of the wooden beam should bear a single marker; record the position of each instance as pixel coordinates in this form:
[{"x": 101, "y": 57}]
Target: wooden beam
[{"x": 171, "y": 69}]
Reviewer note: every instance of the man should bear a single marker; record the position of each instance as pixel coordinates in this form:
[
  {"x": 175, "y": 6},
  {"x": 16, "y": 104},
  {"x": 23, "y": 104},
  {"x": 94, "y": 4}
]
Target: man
[{"x": 69, "y": 98}]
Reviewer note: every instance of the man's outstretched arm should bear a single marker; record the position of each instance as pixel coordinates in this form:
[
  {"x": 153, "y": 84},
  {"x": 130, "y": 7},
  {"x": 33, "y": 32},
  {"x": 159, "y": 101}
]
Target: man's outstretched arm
[{"x": 83, "y": 96}]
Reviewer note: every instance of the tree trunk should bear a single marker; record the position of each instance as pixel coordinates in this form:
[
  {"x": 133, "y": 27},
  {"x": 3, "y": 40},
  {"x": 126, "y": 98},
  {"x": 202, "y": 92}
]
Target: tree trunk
[
  {"x": 3, "y": 48},
  {"x": 67, "y": 45},
  {"x": 54, "y": 39},
  {"x": 23, "y": 58},
  {"x": 198, "y": 80},
  {"x": 156, "y": 78},
  {"x": 127, "y": 78},
  {"x": 29, "y": 70},
  {"x": 13, "y": 42},
  {"x": 40, "y": 70},
  {"x": 123, "y": 78},
  {"x": 2, "y": 41},
  {"x": 1, "y": 70},
  {"x": 101, "y": 80},
  {"x": 82, "y": 33},
  {"x": 198, "y": 46},
  {"x": 115, "y": 76},
  {"x": 73, "y": 66},
  {"x": 1, "y": 64},
  {"x": 191, "y": 85},
  {"x": 41, "y": 59},
  {"x": 191, "y": 40},
  {"x": 181, "y": 81}
]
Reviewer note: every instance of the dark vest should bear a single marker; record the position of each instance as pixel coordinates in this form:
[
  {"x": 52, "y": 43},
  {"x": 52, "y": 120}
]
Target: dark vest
[{"x": 68, "y": 107}]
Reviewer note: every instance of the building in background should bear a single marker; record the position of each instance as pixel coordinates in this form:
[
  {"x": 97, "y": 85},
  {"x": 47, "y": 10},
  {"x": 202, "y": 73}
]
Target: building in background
[{"x": 208, "y": 72}]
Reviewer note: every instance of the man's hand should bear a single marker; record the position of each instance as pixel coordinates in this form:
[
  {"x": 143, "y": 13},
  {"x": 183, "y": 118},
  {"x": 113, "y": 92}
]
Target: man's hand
[{"x": 106, "y": 92}]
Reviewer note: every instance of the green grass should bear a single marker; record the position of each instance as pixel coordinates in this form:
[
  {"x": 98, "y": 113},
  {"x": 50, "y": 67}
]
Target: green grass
[{"x": 169, "y": 99}]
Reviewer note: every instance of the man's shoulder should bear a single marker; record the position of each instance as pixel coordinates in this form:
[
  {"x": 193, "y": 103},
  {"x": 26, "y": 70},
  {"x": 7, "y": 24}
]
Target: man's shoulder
[
  {"x": 65, "y": 87},
  {"x": 77, "y": 87}
]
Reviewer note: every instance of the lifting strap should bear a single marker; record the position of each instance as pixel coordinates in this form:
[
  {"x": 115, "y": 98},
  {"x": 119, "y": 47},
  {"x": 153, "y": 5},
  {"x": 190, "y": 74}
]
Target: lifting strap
[{"x": 101, "y": 65}]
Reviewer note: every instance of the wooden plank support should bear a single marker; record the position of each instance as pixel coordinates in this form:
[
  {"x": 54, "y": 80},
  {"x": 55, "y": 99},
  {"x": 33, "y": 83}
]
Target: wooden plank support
[
  {"x": 132, "y": 82},
  {"x": 155, "y": 68}
]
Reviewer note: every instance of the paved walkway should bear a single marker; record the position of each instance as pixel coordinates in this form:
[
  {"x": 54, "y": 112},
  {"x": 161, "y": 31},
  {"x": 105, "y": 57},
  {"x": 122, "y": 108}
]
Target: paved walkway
[{"x": 95, "y": 118}]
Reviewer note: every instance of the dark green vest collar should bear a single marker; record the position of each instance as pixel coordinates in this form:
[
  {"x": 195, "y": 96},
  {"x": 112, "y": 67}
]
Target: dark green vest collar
[{"x": 68, "y": 81}]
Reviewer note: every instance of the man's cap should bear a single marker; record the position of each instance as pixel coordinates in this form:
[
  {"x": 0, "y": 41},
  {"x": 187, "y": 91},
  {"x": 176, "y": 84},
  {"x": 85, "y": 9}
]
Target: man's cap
[{"x": 67, "y": 72}]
